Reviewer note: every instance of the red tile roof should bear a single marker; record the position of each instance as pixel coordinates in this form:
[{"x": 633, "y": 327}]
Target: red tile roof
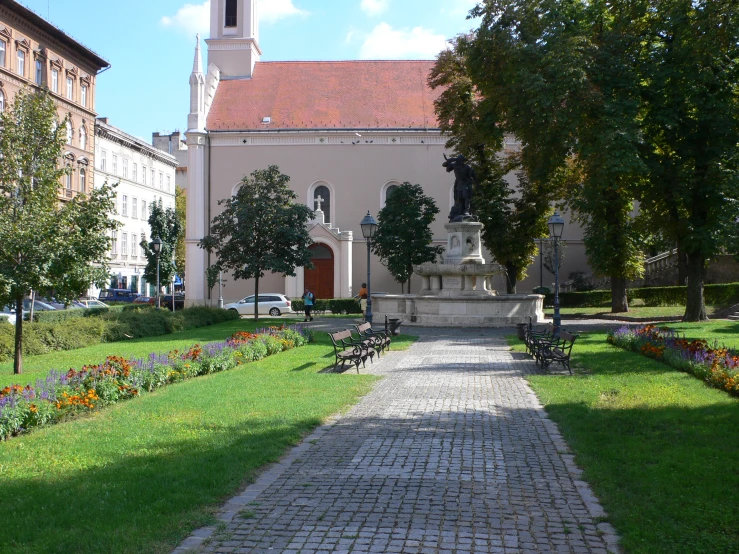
[{"x": 327, "y": 95}]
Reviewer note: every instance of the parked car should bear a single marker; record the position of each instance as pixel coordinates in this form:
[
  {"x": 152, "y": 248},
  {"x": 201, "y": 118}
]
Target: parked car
[
  {"x": 270, "y": 303},
  {"x": 91, "y": 304},
  {"x": 166, "y": 301},
  {"x": 117, "y": 295},
  {"x": 8, "y": 312},
  {"x": 151, "y": 300}
]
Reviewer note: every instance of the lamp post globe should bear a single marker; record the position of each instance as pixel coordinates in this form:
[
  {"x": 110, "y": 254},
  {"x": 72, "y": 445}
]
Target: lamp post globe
[
  {"x": 369, "y": 227},
  {"x": 556, "y": 228},
  {"x": 156, "y": 247}
]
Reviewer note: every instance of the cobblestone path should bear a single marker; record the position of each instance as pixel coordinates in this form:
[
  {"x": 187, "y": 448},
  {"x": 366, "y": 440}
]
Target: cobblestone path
[{"x": 450, "y": 453}]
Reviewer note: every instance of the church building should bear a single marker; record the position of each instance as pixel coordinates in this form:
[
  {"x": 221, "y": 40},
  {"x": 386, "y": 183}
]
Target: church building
[{"x": 346, "y": 132}]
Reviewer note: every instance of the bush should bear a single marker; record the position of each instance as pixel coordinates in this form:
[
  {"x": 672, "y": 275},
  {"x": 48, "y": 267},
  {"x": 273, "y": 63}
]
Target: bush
[
  {"x": 59, "y": 316},
  {"x": 590, "y": 299},
  {"x": 335, "y": 305},
  {"x": 725, "y": 294},
  {"x": 94, "y": 327}
]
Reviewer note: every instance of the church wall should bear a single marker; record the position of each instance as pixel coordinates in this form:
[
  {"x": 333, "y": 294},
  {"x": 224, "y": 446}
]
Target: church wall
[{"x": 357, "y": 174}]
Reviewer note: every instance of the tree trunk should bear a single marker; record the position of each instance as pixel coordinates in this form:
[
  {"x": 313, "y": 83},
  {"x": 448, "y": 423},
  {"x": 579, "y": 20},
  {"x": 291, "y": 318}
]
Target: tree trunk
[
  {"x": 18, "y": 359},
  {"x": 695, "y": 307},
  {"x": 409, "y": 284},
  {"x": 619, "y": 298},
  {"x": 256, "y": 298},
  {"x": 682, "y": 267},
  {"x": 510, "y": 283}
]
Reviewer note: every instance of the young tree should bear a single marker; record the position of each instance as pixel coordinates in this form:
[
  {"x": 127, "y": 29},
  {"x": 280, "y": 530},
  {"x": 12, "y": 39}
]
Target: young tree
[
  {"x": 46, "y": 244},
  {"x": 165, "y": 224},
  {"x": 403, "y": 238},
  {"x": 261, "y": 229},
  {"x": 513, "y": 216}
]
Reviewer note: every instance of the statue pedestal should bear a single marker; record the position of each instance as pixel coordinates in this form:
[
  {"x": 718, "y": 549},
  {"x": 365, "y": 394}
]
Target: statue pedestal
[{"x": 464, "y": 245}]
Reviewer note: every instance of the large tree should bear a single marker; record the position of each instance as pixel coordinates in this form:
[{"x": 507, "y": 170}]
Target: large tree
[
  {"x": 47, "y": 244},
  {"x": 165, "y": 224},
  {"x": 403, "y": 238},
  {"x": 261, "y": 229},
  {"x": 514, "y": 216},
  {"x": 559, "y": 76},
  {"x": 690, "y": 122}
]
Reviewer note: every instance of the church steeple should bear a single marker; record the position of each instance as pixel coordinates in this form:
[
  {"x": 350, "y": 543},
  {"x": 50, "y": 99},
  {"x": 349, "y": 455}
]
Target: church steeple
[
  {"x": 196, "y": 118},
  {"x": 234, "y": 37}
]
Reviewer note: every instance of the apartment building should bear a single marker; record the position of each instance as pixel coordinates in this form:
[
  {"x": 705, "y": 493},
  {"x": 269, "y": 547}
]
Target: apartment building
[
  {"x": 143, "y": 175},
  {"x": 34, "y": 54}
]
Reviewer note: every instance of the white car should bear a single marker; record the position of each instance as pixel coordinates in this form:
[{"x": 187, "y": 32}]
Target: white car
[
  {"x": 91, "y": 304},
  {"x": 270, "y": 303}
]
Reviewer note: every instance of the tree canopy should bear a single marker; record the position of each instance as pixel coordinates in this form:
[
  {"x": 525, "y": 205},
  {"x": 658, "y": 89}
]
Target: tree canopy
[
  {"x": 403, "y": 238},
  {"x": 513, "y": 215},
  {"x": 47, "y": 244},
  {"x": 163, "y": 223},
  {"x": 261, "y": 229}
]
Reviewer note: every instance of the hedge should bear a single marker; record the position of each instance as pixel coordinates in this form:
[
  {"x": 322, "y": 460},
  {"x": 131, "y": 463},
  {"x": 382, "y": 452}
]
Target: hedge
[
  {"x": 59, "y": 316},
  {"x": 725, "y": 294},
  {"x": 111, "y": 326},
  {"x": 334, "y": 305}
]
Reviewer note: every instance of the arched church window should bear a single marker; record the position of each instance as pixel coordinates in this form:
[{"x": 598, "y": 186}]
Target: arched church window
[
  {"x": 231, "y": 13},
  {"x": 324, "y": 202},
  {"x": 70, "y": 134},
  {"x": 2, "y": 100},
  {"x": 387, "y": 190},
  {"x": 83, "y": 138},
  {"x": 83, "y": 180}
]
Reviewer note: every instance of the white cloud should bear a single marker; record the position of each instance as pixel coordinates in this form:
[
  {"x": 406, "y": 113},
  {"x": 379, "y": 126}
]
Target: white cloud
[
  {"x": 190, "y": 18},
  {"x": 374, "y": 7},
  {"x": 384, "y": 42},
  {"x": 271, "y": 11},
  {"x": 195, "y": 18}
]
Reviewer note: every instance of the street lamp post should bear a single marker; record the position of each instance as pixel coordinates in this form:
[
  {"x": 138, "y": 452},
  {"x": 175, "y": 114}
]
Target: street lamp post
[
  {"x": 369, "y": 226},
  {"x": 556, "y": 227},
  {"x": 156, "y": 247},
  {"x": 220, "y": 289}
]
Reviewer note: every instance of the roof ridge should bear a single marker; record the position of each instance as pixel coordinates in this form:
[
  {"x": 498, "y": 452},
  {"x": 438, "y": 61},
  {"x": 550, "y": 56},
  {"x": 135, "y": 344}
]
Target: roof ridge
[{"x": 341, "y": 61}]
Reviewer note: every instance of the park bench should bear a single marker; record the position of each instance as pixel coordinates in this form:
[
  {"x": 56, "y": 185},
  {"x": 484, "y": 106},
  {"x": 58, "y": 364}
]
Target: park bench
[
  {"x": 532, "y": 336},
  {"x": 378, "y": 339},
  {"x": 557, "y": 349},
  {"x": 348, "y": 350}
]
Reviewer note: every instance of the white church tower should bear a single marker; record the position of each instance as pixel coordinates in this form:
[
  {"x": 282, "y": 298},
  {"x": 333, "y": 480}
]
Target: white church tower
[{"x": 233, "y": 46}]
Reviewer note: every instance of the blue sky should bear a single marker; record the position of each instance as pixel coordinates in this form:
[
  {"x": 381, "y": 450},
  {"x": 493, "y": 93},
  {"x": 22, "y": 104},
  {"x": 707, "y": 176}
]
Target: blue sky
[{"x": 150, "y": 44}]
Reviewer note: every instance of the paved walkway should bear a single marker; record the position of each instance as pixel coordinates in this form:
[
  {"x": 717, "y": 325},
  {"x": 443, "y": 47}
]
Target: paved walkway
[{"x": 450, "y": 453}]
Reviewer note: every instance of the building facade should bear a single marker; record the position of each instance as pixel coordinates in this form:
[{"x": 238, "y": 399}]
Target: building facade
[
  {"x": 346, "y": 132},
  {"x": 35, "y": 55},
  {"x": 143, "y": 175},
  {"x": 175, "y": 144}
]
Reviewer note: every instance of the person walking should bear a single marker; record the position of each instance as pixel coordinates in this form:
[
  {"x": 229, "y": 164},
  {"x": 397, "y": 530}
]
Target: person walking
[
  {"x": 309, "y": 300},
  {"x": 363, "y": 300}
]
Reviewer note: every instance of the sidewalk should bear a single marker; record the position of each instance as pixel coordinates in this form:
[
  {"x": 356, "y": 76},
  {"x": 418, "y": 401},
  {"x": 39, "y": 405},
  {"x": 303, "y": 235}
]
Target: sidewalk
[{"x": 450, "y": 453}]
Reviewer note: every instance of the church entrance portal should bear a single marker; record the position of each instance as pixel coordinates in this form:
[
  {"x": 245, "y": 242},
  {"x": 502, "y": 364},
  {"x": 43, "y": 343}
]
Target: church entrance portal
[{"x": 321, "y": 279}]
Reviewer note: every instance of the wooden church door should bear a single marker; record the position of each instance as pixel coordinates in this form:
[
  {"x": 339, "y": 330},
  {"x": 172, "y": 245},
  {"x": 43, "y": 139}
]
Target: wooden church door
[{"x": 320, "y": 280}]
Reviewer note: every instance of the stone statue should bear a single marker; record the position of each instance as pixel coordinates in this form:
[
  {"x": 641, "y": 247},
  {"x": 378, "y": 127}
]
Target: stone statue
[{"x": 464, "y": 181}]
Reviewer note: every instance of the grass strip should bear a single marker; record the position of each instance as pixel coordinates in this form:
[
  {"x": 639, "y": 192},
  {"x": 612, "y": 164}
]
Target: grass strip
[
  {"x": 657, "y": 446},
  {"x": 140, "y": 476}
]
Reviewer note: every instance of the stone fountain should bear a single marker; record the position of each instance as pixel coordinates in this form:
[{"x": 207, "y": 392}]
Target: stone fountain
[{"x": 457, "y": 292}]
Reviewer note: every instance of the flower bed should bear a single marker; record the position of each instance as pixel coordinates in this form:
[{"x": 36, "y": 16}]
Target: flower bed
[
  {"x": 64, "y": 395},
  {"x": 716, "y": 365}
]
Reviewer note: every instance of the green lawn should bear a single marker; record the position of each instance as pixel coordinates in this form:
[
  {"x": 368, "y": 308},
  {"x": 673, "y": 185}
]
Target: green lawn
[
  {"x": 658, "y": 446},
  {"x": 634, "y": 311},
  {"x": 35, "y": 367},
  {"x": 141, "y": 475}
]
